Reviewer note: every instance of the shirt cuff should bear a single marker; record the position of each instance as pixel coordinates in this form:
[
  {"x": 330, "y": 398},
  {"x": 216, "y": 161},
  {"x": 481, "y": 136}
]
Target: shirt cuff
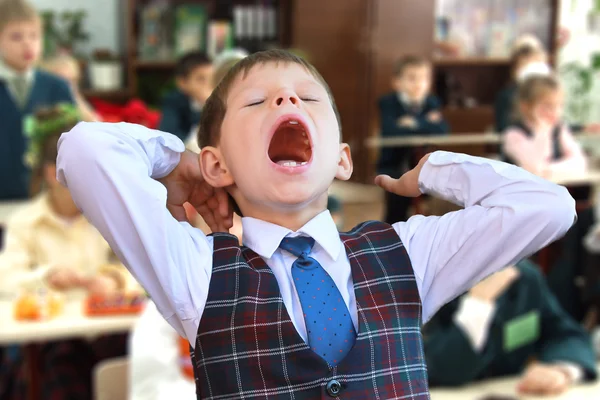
[
  {"x": 575, "y": 372},
  {"x": 474, "y": 317}
]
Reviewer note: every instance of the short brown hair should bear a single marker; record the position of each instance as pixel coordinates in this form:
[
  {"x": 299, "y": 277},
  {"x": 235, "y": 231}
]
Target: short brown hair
[
  {"x": 215, "y": 107},
  {"x": 535, "y": 86},
  {"x": 16, "y": 11},
  {"x": 408, "y": 62},
  {"x": 521, "y": 52}
]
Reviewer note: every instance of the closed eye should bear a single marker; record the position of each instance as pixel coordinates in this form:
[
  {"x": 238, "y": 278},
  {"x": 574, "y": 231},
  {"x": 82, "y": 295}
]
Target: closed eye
[
  {"x": 308, "y": 99},
  {"x": 255, "y": 103}
]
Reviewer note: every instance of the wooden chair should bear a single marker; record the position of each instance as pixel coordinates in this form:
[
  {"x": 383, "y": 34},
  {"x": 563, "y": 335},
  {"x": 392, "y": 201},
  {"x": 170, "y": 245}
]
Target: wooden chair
[{"x": 111, "y": 379}]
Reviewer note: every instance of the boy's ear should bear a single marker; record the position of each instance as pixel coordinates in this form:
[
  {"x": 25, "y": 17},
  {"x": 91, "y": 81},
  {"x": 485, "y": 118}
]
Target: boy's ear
[
  {"x": 345, "y": 166},
  {"x": 214, "y": 169}
]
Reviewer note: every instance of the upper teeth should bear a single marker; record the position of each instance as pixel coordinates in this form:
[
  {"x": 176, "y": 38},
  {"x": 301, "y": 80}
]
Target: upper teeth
[{"x": 294, "y": 122}]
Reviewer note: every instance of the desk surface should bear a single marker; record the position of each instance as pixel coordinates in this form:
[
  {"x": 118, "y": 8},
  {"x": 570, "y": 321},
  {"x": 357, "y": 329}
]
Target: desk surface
[
  {"x": 591, "y": 177},
  {"x": 506, "y": 387},
  {"x": 456, "y": 139},
  {"x": 71, "y": 324},
  {"x": 439, "y": 140}
]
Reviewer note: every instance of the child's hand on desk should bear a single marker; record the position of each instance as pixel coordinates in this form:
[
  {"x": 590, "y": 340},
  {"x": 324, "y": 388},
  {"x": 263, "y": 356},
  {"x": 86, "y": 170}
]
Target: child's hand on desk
[
  {"x": 101, "y": 285},
  {"x": 61, "y": 278},
  {"x": 407, "y": 122},
  {"x": 434, "y": 116},
  {"x": 186, "y": 184},
  {"x": 543, "y": 379},
  {"x": 407, "y": 185}
]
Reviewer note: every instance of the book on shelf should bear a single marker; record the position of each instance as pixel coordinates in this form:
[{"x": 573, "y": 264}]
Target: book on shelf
[
  {"x": 220, "y": 37},
  {"x": 154, "y": 42},
  {"x": 190, "y": 28}
]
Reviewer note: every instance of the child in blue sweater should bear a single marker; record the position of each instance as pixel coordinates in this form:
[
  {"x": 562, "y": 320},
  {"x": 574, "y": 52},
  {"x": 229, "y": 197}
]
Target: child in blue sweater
[{"x": 23, "y": 90}]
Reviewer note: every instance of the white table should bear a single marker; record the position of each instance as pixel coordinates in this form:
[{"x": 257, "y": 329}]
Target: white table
[
  {"x": 506, "y": 387},
  {"x": 71, "y": 324}
]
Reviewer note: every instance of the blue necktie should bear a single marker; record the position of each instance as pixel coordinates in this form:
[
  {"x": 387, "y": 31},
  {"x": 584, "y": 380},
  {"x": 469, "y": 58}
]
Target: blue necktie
[{"x": 330, "y": 330}]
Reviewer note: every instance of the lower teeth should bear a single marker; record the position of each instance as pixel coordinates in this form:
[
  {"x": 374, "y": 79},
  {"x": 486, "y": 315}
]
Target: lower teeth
[{"x": 291, "y": 163}]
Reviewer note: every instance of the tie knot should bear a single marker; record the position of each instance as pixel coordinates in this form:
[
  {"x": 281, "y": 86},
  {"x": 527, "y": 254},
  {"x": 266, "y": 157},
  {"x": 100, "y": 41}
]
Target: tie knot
[{"x": 299, "y": 246}]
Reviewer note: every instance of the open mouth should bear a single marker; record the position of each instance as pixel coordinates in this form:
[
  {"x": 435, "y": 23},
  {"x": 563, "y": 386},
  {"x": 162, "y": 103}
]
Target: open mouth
[{"x": 290, "y": 144}]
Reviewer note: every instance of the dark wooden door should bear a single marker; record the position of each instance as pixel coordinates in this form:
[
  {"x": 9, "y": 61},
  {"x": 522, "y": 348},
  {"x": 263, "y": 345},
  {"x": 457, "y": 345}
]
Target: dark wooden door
[{"x": 334, "y": 36}]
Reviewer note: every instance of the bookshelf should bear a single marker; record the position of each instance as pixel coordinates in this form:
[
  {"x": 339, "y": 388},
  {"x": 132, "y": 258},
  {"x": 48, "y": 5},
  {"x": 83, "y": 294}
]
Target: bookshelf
[{"x": 253, "y": 25}]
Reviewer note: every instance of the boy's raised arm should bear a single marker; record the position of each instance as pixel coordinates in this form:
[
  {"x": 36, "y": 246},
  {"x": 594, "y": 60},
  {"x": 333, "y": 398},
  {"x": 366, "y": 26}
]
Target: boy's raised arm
[
  {"x": 111, "y": 171},
  {"x": 509, "y": 214}
]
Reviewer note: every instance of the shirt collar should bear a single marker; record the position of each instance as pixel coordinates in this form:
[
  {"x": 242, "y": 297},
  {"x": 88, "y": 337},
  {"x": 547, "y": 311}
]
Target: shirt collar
[
  {"x": 264, "y": 237},
  {"x": 8, "y": 74},
  {"x": 195, "y": 106},
  {"x": 403, "y": 98},
  {"x": 41, "y": 211}
]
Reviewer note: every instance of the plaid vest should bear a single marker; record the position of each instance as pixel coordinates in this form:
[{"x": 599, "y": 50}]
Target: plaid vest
[{"x": 248, "y": 348}]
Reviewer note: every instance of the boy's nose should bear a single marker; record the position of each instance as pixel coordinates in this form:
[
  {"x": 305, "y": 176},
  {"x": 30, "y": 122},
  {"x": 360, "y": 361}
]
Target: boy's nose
[{"x": 287, "y": 98}]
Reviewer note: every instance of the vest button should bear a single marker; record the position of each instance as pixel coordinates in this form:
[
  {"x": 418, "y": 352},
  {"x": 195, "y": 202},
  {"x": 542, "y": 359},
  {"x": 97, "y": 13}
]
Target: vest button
[{"x": 334, "y": 388}]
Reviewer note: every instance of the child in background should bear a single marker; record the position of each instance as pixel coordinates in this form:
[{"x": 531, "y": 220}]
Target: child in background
[
  {"x": 409, "y": 110},
  {"x": 499, "y": 326},
  {"x": 50, "y": 245},
  {"x": 44, "y": 240},
  {"x": 540, "y": 142},
  {"x": 181, "y": 108},
  {"x": 525, "y": 54},
  {"x": 259, "y": 326},
  {"x": 69, "y": 69},
  {"x": 222, "y": 64},
  {"x": 23, "y": 89}
]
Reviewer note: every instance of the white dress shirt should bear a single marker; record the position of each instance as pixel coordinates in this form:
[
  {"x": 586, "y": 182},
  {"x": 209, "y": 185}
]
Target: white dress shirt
[{"x": 109, "y": 169}]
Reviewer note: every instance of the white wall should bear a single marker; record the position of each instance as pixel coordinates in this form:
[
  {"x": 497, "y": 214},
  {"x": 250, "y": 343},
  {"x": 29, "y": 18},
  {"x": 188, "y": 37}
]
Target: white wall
[
  {"x": 103, "y": 22},
  {"x": 580, "y": 47}
]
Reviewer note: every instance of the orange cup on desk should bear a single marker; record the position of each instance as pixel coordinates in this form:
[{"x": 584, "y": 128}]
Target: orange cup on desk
[{"x": 38, "y": 306}]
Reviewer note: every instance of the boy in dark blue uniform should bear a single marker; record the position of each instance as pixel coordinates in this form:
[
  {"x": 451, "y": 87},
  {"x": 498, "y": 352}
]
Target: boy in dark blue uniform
[
  {"x": 409, "y": 110},
  {"x": 23, "y": 89},
  {"x": 181, "y": 108},
  {"x": 499, "y": 326}
]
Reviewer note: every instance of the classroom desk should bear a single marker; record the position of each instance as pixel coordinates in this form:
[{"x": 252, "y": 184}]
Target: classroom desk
[
  {"x": 506, "y": 387},
  {"x": 71, "y": 324},
  {"x": 588, "y": 178},
  {"x": 455, "y": 140},
  {"x": 435, "y": 140}
]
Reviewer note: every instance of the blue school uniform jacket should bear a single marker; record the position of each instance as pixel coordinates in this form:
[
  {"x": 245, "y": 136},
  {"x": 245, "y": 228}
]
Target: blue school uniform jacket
[
  {"x": 178, "y": 117},
  {"x": 46, "y": 90},
  {"x": 452, "y": 361},
  {"x": 390, "y": 110}
]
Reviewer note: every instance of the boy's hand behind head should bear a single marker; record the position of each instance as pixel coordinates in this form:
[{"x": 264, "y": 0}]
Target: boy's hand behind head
[
  {"x": 407, "y": 185},
  {"x": 185, "y": 184}
]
